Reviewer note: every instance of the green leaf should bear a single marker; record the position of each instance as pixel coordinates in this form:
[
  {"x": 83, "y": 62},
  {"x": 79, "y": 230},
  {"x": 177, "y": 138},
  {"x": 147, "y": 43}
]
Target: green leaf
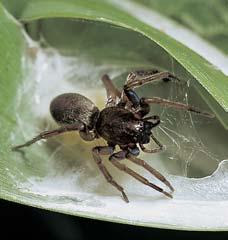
[
  {"x": 11, "y": 65},
  {"x": 59, "y": 174},
  {"x": 206, "y": 18},
  {"x": 213, "y": 80}
]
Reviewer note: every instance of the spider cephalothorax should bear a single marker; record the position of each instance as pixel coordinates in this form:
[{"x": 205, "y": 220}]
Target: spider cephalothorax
[{"x": 124, "y": 122}]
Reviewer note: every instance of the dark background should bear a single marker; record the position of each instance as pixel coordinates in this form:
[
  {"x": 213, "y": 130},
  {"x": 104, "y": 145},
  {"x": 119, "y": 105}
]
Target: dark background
[{"x": 31, "y": 223}]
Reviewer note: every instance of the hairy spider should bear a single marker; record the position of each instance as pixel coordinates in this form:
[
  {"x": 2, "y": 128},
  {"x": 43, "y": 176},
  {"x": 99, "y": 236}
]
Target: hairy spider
[{"x": 122, "y": 122}]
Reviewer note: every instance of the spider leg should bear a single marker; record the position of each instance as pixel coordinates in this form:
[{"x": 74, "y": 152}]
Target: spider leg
[
  {"x": 113, "y": 94},
  {"x": 153, "y": 171},
  {"x": 139, "y": 108},
  {"x": 154, "y": 150},
  {"x": 137, "y": 79},
  {"x": 154, "y": 119},
  {"x": 51, "y": 133},
  {"x": 134, "y": 79},
  {"x": 115, "y": 160},
  {"x": 177, "y": 105},
  {"x": 107, "y": 150}
]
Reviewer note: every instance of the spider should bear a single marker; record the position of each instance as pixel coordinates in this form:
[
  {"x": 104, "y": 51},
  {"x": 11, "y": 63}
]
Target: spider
[{"x": 123, "y": 122}]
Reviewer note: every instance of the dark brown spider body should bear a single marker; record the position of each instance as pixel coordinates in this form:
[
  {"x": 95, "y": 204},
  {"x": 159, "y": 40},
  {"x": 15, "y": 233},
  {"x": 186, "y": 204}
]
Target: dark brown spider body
[
  {"x": 122, "y": 122},
  {"x": 119, "y": 126}
]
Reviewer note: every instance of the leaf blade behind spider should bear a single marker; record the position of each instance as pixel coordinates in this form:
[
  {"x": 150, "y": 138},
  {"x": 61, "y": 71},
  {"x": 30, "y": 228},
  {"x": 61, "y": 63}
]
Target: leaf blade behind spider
[{"x": 59, "y": 175}]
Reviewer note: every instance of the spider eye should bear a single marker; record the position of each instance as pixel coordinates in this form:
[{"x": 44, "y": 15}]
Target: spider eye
[{"x": 139, "y": 126}]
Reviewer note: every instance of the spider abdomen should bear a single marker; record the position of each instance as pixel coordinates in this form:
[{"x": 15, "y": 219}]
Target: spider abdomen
[{"x": 69, "y": 108}]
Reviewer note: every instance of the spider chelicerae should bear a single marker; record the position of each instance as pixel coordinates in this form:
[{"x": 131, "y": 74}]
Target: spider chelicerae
[{"x": 124, "y": 122}]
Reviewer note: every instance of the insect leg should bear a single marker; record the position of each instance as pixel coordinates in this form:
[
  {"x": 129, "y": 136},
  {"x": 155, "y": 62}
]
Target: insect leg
[
  {"x": 177, "y": 105},
  {"x": 51, "y": 133},
  {"x": 115, "y": 160},
  {"x": 106, "y": 150},
  {"x": 153, "y": 171}
]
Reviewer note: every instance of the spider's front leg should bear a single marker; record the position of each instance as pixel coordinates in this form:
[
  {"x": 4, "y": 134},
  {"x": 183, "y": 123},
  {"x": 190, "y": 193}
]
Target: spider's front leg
[
  {"x": 140, "y": 108},
  {"x": 139, "y": 78},
  {"x": 176, "y": 105},
  {"x": 142, "y": 105}
]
